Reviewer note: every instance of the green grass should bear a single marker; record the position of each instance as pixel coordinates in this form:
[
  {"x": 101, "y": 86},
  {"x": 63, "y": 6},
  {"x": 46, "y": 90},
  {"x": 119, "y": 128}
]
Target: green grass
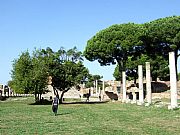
[{"x": 18, "y": 117}]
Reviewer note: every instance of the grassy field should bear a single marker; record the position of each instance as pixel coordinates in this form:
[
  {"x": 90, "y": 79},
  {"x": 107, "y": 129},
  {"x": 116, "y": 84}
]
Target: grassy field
[{"x": 20, "y": 117}]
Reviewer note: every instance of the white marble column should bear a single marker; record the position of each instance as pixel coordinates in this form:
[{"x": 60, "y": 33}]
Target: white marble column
[
  {"x": 148, "y": 83},
  {"x": 96, "y": 87},
  {"x": 124, "y": 86},
  {"x": 103, "y": 86},
  {"x": 173, "y": 81},
  {"x": 10, "y": 92},
  {"x": 103, "y": 90},
  {"x": 141, "y": 93}
]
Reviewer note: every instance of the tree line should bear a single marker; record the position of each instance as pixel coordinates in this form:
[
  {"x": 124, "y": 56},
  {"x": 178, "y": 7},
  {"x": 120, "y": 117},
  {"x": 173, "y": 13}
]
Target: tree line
[{"x": 130, "y": 45}]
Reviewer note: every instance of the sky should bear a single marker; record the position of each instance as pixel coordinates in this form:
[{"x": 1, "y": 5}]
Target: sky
[{"x": 29, "y": 24}]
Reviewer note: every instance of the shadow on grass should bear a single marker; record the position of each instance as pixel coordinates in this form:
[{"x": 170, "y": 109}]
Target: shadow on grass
[
  {"x": 42, "y": 102},
  {"x": 2, "y": 98},
  {"x": 156, "y": 102},
  {"x": 47, "y": 102},
  {"x": 63, "y": 113},
  {"x": 84, "y": 102}
]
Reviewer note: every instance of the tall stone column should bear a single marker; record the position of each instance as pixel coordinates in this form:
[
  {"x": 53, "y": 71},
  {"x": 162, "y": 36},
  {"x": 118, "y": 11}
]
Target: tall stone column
[
  {"x": 96, "y": 87},
  {"x": 173, "y": 81},
  {"x": 141, "y": 93},
  {"x": 148, "y": 83},
  {"x": 103, "y": 86},
  {"x": 124, "y": 86},
  {"x": 103, "y": 90},
  {"x": 10, "y": 92}
]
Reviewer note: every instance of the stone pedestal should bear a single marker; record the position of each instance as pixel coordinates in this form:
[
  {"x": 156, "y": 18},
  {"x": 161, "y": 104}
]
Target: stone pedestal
[
  {"x": 173, "y": 81},
  {"x": 134, "y": 97}
]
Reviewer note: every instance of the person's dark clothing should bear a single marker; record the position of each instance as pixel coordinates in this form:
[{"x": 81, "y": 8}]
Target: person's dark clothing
[{"x": 55, "y": 105}]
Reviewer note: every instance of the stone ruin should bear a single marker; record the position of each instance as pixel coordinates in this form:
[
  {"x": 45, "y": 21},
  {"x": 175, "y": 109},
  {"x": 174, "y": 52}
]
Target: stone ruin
[
  {"x": 140, "y": 89},
  {"x": 130, "y": 93}
]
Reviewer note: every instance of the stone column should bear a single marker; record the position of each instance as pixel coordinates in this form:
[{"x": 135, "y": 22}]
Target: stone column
[
  {"x": 173, "y": 81},
  {"x": 99, "y": 90},
  {"x": 103, "y": 90},
  {"x": 10, "y": 92},
  {"x": 103, "y": 86},
  {"x": 148, "y": 83},
  {"x": 141, "y": 93},
  {"x": 96, "y": 87},
  {"x": 124, "y": 86}
]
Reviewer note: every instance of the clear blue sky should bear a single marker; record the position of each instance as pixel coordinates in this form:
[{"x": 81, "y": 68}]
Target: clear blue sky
[{"x": 25, "y": 24}]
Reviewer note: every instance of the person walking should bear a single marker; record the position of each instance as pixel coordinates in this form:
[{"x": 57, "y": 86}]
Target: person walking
[{"x": 55, "y": 104}]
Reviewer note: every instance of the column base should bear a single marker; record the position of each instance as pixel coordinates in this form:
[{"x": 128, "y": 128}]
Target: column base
[
  {"x": 171, "y": 107},
  {"x": 128, "y": 100},
  {"x": 147, "y": 104},
  {"x": 123, "y": 100},
  {"x": 133, "y": 102},
  {"x": 140, "y": 103}
]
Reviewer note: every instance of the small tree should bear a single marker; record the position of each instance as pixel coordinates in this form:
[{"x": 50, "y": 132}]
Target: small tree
[
  {"x": 66, "y": 68},
  {"x": 21, "y": 73},
  {"x": 29, "y": 74},
  {"x": 69, "y": 74}
]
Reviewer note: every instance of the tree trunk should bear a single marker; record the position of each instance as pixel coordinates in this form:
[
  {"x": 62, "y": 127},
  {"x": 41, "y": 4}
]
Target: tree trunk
[
  {"x": 176, "y": 58},
  {"x": 135, "y": 80},
  {"x": 61, "y": 97},
  {"x": 120, "y": 63},
  {"x": 62, "y": 94}
]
